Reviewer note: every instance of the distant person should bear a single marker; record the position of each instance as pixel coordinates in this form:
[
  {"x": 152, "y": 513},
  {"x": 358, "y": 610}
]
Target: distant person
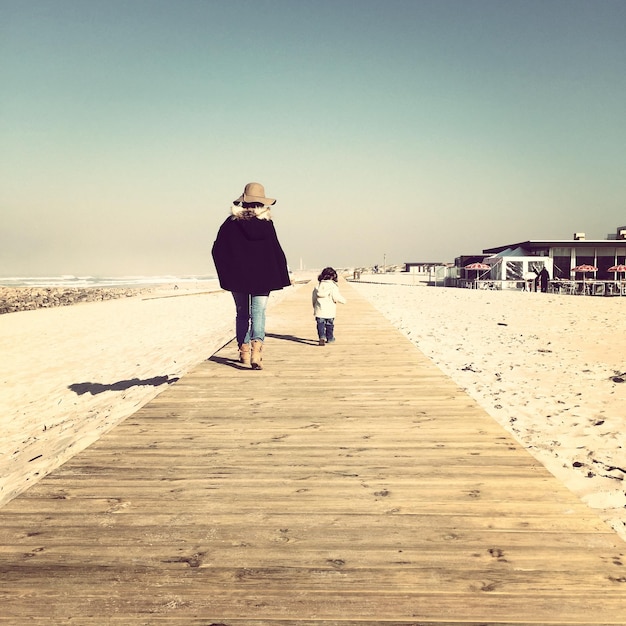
[
  {"x": 543, "y": 278},
  {"x": 529, "y": 280},
  {"x": 250, "y": 263},
  {"x": 325, "y": 298}
]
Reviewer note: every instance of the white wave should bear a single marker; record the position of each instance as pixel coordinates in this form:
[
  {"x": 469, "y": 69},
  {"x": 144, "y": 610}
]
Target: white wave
[{"x": 69, "y": 280}]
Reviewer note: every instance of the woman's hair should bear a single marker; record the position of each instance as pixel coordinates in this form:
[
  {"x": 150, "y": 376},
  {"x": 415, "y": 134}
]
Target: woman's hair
[
  {"x": 251, "y": 210},
  {"x": 328, "y": 273}
]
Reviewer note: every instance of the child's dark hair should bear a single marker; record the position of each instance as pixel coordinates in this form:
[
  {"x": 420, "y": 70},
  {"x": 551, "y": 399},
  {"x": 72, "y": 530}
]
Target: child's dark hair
[{"x": 328, "y": 273}]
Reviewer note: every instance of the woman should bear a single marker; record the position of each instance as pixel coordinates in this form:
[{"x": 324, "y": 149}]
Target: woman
[{"x": 250, "y": 263}]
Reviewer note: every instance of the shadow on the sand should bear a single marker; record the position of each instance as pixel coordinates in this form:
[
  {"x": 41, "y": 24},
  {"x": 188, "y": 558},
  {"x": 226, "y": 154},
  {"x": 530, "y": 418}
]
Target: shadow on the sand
[
  {"x": 121, "y": 385},
  {"x": 308, "y": 342}
]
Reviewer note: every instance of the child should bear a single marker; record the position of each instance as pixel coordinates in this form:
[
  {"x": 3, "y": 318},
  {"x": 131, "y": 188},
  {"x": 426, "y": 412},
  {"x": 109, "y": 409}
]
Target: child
[{"x": 325, "y": 298}]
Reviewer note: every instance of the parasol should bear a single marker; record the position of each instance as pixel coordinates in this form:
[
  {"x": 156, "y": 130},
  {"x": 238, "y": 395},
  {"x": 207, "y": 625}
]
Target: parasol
[
  {"x": 618, "y": 269},
  {"x": 583, "y": 269},
  {"x": 478, "y": 267}
]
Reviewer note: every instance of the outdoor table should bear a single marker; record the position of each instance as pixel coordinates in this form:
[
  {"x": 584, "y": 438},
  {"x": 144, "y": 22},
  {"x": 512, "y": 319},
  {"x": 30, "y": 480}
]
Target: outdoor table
[
  {"x": 588, "y": 287},
  {"x": 562, "y": 286}
]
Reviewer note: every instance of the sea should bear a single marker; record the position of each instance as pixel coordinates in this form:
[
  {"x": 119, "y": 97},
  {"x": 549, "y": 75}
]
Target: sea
[{"x": 103, "y": 281}]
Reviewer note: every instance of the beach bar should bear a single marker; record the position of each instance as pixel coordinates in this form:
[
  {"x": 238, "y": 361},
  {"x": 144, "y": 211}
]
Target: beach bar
[{"x": 577, "y": 266}]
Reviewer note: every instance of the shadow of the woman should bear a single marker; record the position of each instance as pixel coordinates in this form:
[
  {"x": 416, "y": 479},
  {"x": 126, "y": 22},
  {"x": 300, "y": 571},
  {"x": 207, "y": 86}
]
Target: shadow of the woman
[{"x": 234, "y": 363}]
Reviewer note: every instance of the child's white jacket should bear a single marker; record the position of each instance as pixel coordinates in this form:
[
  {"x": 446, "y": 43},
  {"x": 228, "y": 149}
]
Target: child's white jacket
[{"x": 325, "y": 298}]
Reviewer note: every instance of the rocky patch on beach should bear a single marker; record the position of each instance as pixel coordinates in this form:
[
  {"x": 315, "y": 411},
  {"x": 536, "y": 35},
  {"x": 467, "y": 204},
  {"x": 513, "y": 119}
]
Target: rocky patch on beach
[{"x": 13, "y": 299}]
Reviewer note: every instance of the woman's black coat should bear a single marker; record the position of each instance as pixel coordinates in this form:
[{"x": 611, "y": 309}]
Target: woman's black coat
[{"x": 248, "y": 257}]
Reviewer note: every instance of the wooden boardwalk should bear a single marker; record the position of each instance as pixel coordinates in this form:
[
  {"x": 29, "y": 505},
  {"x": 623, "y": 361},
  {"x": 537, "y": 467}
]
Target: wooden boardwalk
[{"x": 342, "y": 485}]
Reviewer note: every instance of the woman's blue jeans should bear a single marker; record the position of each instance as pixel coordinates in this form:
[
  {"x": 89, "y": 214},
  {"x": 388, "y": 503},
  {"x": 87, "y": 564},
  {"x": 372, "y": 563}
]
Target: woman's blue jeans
[{"x": 250, "y": 320}]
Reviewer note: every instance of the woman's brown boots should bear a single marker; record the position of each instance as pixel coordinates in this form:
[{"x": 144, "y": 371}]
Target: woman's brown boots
[
  {"x": 257, "y": 354},
  {"x": 252, "y": 357},
  {"x": 244, "y": 353}
]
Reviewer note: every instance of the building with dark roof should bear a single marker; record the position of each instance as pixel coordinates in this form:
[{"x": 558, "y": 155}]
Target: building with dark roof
[{"x": 513, "y": 261}]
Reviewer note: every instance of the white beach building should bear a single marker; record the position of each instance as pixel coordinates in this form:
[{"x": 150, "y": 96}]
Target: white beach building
[{"x": 515, "y": 265}]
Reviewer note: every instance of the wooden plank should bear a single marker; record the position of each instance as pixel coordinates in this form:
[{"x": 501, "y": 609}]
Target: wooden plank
[
  {"x": 176, "y": 570},
  {"x": 172, "y": 620},
  {"x": 20, "y": 527},
  {"x": 184, "y": 600},
  {"x": 349, "y": 484}
]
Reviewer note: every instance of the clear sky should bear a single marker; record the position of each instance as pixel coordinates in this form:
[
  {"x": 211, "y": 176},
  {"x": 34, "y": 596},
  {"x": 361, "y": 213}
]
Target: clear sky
[{"x": 396, "y": 130}]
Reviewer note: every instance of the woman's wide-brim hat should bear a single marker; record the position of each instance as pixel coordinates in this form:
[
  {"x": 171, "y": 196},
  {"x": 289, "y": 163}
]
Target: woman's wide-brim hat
[{"x": 254, "y": 192}]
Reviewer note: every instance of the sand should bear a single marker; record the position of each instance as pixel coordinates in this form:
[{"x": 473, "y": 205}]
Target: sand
[{"x": 548, "y": 368}]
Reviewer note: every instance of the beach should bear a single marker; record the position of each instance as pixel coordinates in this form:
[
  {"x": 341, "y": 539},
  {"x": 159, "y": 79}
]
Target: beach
[{"x": 549, "y": 368}]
